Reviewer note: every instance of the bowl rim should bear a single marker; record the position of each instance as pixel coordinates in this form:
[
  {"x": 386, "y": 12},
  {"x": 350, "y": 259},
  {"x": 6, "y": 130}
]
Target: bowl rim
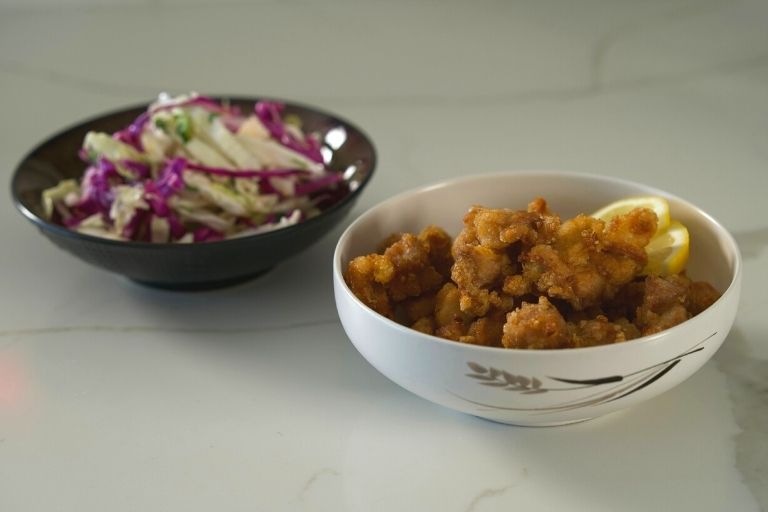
[
  {"x": 429, "y": 338},
  {"x": 64, "y": 231}
]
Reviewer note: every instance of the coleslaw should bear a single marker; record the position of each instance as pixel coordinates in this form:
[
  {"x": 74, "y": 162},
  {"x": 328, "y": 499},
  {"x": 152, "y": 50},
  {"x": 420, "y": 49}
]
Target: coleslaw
[{"x": 191, "y": 169}]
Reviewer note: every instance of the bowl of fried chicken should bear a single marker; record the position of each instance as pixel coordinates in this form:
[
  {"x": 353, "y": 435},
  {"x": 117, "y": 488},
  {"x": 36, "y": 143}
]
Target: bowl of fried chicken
[{"x": 519, "y": 298}]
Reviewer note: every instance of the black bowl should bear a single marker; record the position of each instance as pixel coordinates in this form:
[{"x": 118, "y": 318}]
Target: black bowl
[{"x": 197, "y": 265}]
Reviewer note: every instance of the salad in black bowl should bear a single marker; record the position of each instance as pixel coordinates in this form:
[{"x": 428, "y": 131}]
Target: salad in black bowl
[{"x": 192, "y": 191}]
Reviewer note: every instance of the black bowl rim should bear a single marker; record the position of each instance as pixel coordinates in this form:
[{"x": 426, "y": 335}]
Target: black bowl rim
[{"x": 63, "y": 231}]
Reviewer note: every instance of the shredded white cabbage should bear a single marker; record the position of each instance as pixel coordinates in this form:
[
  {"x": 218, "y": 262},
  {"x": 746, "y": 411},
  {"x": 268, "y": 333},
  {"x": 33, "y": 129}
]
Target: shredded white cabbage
[{"x": 190, "y": 165}]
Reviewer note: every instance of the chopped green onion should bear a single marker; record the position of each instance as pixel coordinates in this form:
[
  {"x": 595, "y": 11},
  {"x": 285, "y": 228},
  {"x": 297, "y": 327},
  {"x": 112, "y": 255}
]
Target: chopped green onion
[
  {"x": 183, "y": 126},
  {"x": 293, "y": 120}
]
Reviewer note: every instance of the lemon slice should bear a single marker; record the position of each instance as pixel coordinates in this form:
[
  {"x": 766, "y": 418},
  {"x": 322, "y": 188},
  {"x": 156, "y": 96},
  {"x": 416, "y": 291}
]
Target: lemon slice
[
  {"x": 659, "y": 205},
  {"x": 668, "y": 252},
  {"x": 669, "y": 248}
]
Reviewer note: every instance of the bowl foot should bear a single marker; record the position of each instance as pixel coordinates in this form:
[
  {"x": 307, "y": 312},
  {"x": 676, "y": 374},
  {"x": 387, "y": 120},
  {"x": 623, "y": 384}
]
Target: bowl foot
[
  {"x": 535, "y": 425},
  {"x": 203, "y": 285}
]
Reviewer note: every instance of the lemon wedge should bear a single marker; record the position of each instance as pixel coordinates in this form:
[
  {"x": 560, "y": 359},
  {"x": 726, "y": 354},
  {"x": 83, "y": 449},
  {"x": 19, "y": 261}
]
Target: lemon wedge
[
  {"x": 669, "y": 248},
  {"x": 659, "y": 205},
  {"x": 668, "y": 252}
]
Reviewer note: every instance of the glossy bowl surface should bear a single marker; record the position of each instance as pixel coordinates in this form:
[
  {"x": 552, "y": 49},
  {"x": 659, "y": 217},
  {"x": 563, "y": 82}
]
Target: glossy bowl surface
[
  {"x": 189, "y": 266},
  {"x": 535, "y": 387}
]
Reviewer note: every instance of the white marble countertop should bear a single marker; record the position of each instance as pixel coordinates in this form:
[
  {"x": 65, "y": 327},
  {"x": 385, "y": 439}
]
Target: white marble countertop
[{"x": 122, "y": 398}]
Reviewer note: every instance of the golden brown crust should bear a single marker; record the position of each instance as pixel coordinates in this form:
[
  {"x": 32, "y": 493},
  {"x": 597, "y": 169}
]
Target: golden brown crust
[
  {"x": 663, "y": 304},
  {"x": 450, "y": 321},
  {"x": 524, "y": 279},
  {"x": 486, "y": 250},
  {"x": 400, "y": 278},
  {"x": 600, "y": 331},
  {"x": 701, "y": 295},
  {"x": 366, "y": 277},
  {"x": 439, "y": 247},
  {"x": 536, "y": 326},
  {"x": 424, "y": 324},
  {"x": 588, "y": 261}
]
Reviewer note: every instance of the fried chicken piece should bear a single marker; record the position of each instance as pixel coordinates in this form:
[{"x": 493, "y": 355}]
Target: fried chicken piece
[
  {"x": 384, "y": 244},
  {"x": 630, "y": 330},
  {"x": 499, "y": 228},
  {"x": 578, "y": 281},
  {"x": 405, "y": 269},
  {"x": 539, "y": 205},
  {"x": 450, "y": 321},
  {"x": 701, "y": 295},
  {"x": 412, "y": 309},
  {"x": 574, "y": 316},
  {"x": 517, "y": 285},
  {"x": 600, "y": 331},
  {"x": 535, "y": 326},
  {"x": 623, "y": 254},
  {"x": 477, "y": 269},
  {"x": 487, "y": 330},
  {"x": 414, "y": 273},
  {"x": 626, "y": 301},
  {"x": 425, "y": 324},
  {"x": 366, "y": 277},
  {"x": 663, "y": 303},
  {"x": 439, "y": 246},
  {"x": 589, "y": 261},
  {"x": 483, "y": 253}
]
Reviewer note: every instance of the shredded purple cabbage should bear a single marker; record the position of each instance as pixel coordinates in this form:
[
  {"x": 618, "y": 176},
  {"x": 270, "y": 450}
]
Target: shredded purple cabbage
[
  {"x": 306, "y": 188},
  {"x": 160, "y": 184},
  {"x": 177, "y": 228},
  {"x": 170, "y": 179},
  {"x": 131, "y": 135},
  {"x": 96, "y": 192},
  {"x": 202, "y": 101},
  {"x": 232, "y": 123},
  {"x": 139, "y": 169},
  {"x": 74, "y": 221},
  {"x": 156, "y": 200},
  {"x": 206, "y": 234},
  {"x": 270, "y": 115},
  {"x": 133, "y": 228},
  {"x": 265, "y": 185},
  {"x": 168, "y": 183},
  {"x": 245, "y": 173}
]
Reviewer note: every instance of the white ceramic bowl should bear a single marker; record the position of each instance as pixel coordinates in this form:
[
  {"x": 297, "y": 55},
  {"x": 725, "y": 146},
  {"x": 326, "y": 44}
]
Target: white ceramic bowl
[{"x": 535, "y": 387}]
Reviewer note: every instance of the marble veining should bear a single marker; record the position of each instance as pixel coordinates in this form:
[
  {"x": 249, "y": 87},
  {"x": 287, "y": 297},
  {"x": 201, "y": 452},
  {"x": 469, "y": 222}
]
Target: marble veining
[
  {"x": 161, "y": 329},
  {"x": 596, "y": 80},
  {"x": 749, "y": 392},
  {"x": 83, "y": 83},
  {"x": 487, "y": 495},
  {"x": 596, "y": 86},
  {"x": 320, "y": 473},
  {"x": 606, "y": 43},
  {"x": 15, "y": 336}
]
